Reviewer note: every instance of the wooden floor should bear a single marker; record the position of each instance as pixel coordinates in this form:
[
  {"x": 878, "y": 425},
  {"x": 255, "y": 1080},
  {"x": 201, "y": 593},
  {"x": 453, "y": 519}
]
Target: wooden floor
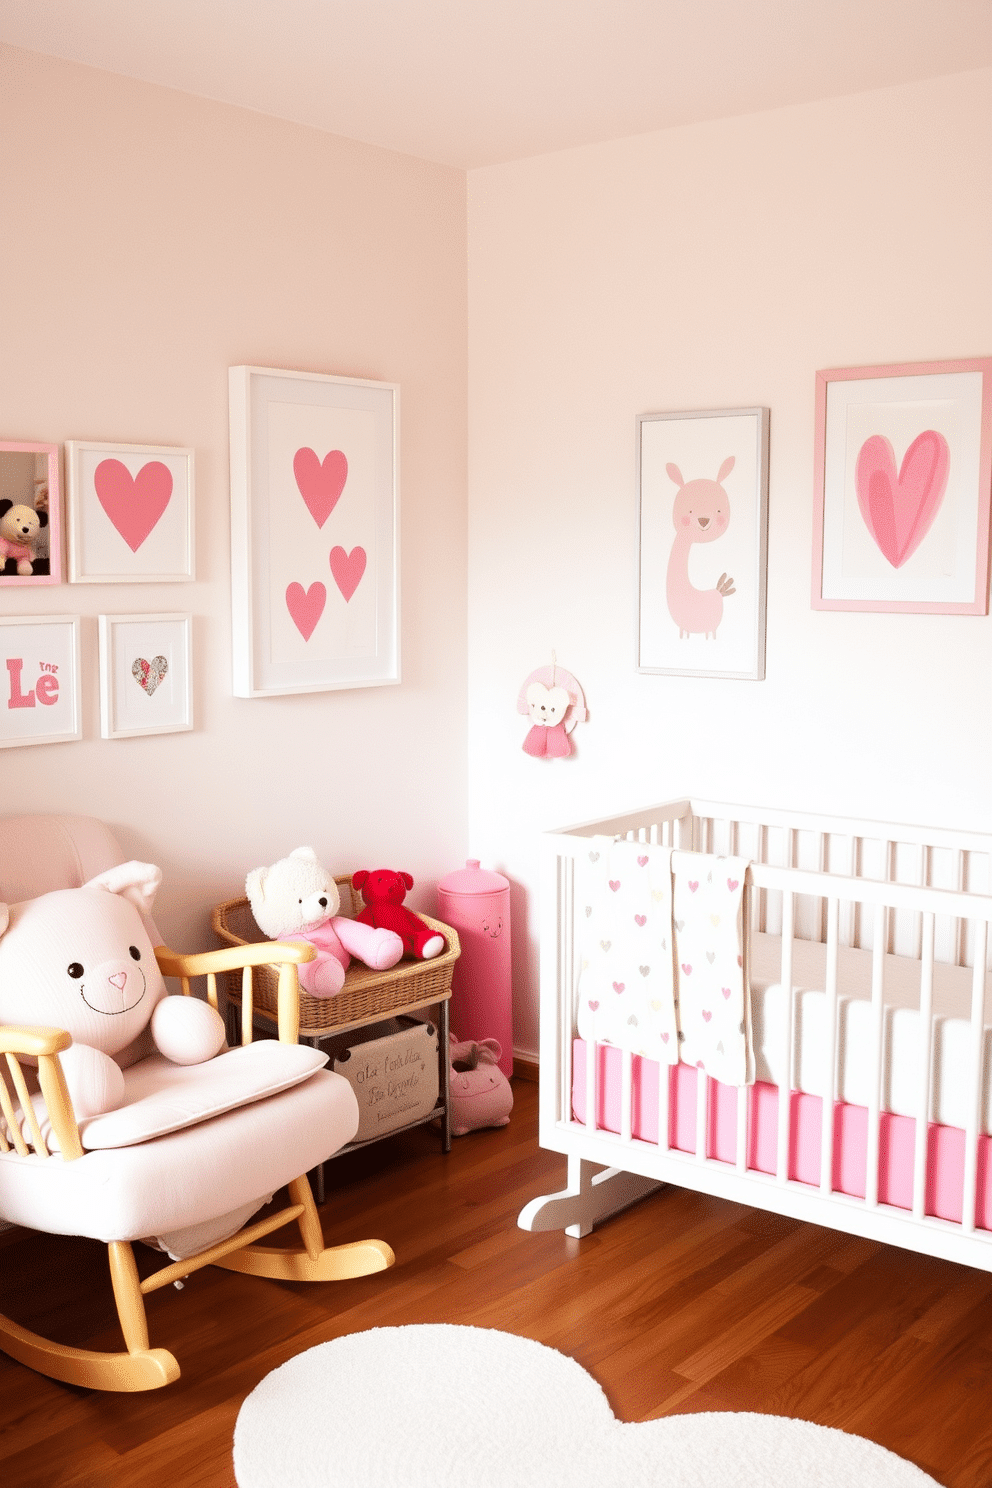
[{"x": 684, "y": 1303}]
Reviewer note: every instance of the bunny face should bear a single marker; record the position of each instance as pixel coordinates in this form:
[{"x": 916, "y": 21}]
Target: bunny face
[{"x": 82, "y": 960}]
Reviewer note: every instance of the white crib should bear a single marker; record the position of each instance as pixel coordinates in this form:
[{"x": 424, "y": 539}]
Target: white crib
[{"x": 893, "y": 905}]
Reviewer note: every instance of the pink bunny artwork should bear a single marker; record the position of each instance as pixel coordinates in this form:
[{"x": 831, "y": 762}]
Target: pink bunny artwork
[{"x": 700, "y": 514}]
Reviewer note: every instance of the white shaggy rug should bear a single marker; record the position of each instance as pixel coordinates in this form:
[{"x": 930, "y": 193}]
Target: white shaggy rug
[{"x": 449, "y": 1407}]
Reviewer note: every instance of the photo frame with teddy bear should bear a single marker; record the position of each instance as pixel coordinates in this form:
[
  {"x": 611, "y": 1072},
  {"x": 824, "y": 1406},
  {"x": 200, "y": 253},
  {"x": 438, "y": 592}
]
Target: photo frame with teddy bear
[{"x": 30, "y": 514}]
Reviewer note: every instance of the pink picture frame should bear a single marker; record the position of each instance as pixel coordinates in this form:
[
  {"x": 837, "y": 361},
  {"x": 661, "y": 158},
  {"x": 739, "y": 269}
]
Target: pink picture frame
[
  {"x": 29, "y": 476},
  {"x": 903, "y": 477}
]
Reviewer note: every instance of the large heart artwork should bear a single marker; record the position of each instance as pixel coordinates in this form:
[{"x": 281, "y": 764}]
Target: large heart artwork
[
  {"x": 133, "y": 503},
  {"x": 148, "y": 674},
  {"x": 899, "y": 510},
  {"x": 347, "y": 569},
  {"x": 305, "y": 606},
  {"x": 320, "y": 481}
]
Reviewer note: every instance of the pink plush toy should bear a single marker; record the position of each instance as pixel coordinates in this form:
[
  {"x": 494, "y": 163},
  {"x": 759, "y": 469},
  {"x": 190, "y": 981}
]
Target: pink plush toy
[
  {"x": 383, "y": 891},
  {"x": 297, "y": 899},
  {"x": 480, "y": 1092}
]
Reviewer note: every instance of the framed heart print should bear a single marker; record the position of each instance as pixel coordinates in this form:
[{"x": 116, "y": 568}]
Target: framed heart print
[
  {"x": 903, "y": 469},
  {"x": 145, "y": 675},
  {"x": 130, "y": 513},
  {"x": 314, "y": 532}
]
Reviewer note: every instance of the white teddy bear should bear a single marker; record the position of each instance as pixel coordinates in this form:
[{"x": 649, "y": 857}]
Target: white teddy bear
[
  {"x": 296, "y": 899},
  {"x": 81, "y": 959}
]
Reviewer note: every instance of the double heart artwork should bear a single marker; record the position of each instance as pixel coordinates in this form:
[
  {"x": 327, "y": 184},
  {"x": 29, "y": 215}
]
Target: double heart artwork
[{"x": 320, "y": 483}]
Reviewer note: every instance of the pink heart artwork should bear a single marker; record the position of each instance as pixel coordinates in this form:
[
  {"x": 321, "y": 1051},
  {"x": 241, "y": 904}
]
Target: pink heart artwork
[
  {"x": 725, "y": 991},
  {"x": 614, "y": 884},
  {"x": 148, "y": 674},
  {"x": 640, "y": 919},
  {"x": 899, "y": 510},
  {"x": 706, "y": 1016},
  {"x": 687, "y": 968},
  {"x": 642, "y": 862},
  {"x": 732, "y": 884},
  {"x": 593, "y": 1005},
  {"x": 347, "y": 569},
  {"x": 618, "y": 986},
  {"x": 305, "y": 606},
  {"x": 133, "y": 503},
  {"x": 320, "y": 482}
]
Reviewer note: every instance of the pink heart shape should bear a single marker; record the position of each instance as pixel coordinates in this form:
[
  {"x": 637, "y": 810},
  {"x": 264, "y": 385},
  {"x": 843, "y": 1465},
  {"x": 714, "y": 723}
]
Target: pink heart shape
[
  {"x": 706, "y": 1016},
  {"x": 320, "y": 482},
  {"x": 664, "y": 1038},
  {"x": 133, "y": 503},
  {"x": 725, "y": 991},
  {"x": 732, "y": 884},
  {"x": 641, "y": 919},
  {"x": 614, "y": 884},
  {"x": 687, "y": 968},
  {"x": 693, "y": 886},
  {"x": 594, "y": 1005},
  {"x": 619, "y": 986},
  {"x": 305, "y": 606},
  {"x": 899, "y": 510},
  {"x": 642, "y": 862},
  {"x": 148, "y": 674},
  {"x": 347, "y": 569}
]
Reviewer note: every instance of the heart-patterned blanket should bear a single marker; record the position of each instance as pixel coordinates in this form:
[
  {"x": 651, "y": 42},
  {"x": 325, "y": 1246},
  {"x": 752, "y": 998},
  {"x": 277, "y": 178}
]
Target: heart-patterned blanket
[{"x": 662, "y": 956}]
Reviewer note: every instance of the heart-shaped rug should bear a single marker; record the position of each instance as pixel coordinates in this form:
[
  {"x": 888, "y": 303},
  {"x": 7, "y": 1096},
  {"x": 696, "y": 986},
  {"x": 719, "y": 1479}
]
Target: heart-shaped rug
[
  {"x": 148, "y": 674},
  {"x": 440, "y": 1406}
]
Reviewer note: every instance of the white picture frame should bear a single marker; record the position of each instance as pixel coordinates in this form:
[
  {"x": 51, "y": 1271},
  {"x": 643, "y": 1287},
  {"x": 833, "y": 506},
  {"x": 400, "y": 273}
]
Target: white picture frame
[
  {"x": 131, "y": 513},
  {"x": 902, "y": 486},
  {"x": 146, "y": 675},
  {"x": 701, "y": 613},
  {"x": 314, "y": 532},
  {"x": 40, "y": 680},
  {"x": 30, "y": 476}
]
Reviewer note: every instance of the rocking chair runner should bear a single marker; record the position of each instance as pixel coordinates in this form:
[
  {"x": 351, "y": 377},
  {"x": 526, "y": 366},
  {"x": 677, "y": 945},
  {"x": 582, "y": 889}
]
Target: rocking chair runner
[{"x": 209, "y": 1176}]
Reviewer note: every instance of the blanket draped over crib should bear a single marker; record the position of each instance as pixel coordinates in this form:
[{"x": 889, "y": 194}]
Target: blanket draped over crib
[{"x": 663, "y": 956}]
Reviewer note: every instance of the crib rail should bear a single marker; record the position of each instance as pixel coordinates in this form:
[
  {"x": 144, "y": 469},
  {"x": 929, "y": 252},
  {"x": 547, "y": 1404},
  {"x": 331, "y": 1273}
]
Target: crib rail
[{"x": 928, "y": 899}]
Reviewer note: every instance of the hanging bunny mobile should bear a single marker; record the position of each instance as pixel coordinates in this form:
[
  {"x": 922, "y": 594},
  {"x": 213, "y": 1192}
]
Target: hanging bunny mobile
[{"x": 555, "y": 703}]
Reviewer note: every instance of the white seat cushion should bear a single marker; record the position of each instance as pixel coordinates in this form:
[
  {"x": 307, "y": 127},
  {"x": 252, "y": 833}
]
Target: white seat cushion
[
  {"x": 162, "y": 1097},
  {"x": 187, "y": 1177}
]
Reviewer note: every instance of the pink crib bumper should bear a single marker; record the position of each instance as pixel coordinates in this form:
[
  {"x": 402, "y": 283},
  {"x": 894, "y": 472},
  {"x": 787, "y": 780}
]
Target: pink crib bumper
[{"x": 945, "y": 1144}]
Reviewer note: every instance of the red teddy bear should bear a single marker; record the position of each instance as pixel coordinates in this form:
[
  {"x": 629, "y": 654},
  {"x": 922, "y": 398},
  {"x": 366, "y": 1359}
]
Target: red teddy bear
[{"x": 383, "y": 891}]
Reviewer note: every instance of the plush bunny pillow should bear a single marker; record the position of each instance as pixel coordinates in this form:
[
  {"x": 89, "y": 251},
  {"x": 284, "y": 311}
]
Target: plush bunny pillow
[{"x": 81, "y": 959}]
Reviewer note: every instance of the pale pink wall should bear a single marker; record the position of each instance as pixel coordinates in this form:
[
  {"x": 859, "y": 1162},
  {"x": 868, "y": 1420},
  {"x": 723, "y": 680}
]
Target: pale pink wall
[
  {"x": 716, "y": 266},
  {"x": 150, "y": 240}
]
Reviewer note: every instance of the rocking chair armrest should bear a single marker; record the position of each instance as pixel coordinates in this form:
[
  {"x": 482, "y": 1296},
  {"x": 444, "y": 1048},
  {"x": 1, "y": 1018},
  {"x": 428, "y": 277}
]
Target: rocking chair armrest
[
  {"x": 32, "y": 1042},
  {"x": 232, "y": 958},
  {"x": 44, "y": 1045}
]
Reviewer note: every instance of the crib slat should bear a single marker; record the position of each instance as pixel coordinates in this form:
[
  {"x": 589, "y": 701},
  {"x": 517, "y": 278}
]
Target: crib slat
[
  {"x": 975, "y": 1103},
  {"x": 664, "y": 1105},
  {"x": 830, "y": 1051},
  {"x": 928, "y": 929},
  {"x": 788, "y": 1037},
  {"x": 879, "y": 937},
  {"x": 626, "y": 1094}
]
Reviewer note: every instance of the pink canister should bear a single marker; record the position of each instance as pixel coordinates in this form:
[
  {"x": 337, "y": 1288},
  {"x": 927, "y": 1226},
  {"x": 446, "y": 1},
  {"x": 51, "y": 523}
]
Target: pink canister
[{"x": 477, "y": 903}]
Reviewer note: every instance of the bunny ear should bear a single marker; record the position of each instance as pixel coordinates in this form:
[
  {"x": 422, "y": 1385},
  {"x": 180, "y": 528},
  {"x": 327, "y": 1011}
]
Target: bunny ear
[
  {"x": 136, "y": 882},
  {"x": 675, "y": 474},
  {"x": 726, "y": 468}
]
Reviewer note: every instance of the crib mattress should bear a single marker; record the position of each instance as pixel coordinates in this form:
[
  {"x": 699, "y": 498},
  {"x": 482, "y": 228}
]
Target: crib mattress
[{"x": 950, "y": 1059}]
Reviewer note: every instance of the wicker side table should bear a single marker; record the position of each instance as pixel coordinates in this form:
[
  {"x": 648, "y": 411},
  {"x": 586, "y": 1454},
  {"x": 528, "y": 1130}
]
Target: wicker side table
[{"x": 367, "y": 996}]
